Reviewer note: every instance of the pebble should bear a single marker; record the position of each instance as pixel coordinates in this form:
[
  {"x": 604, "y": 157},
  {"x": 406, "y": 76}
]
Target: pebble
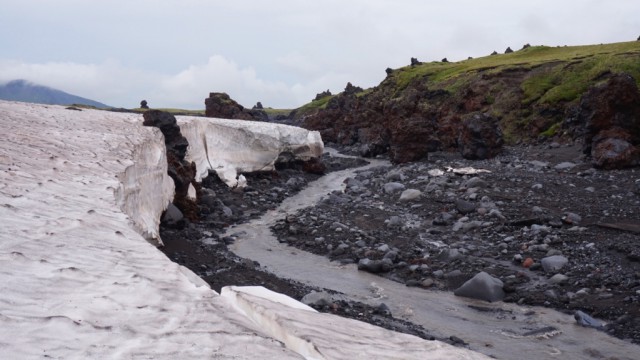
[{"x": 565, "y": 166}]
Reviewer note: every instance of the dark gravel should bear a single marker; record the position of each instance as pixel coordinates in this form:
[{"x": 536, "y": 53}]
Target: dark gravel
[{"x": 459, "y": 225}]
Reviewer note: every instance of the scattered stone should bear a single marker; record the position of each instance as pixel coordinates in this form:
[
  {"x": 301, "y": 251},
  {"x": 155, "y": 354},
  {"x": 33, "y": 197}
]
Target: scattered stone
[
  {"x": 565, "y": 166},
  {"x": 586, "y": 320},
  {"x": 558, "y": 279},
  {"x": 465, "y": 207},
  {"x": 475, "y": 182},
  {"x": 316, "y": 298},
  {"x": 553, "y": 263},
  {"x": 374, "y": 266},
  {"x": 571, "y": 218},
  {"x": 392, "y": 187},
  {"x": 410, "y": 194},
  {"x": 527, "y": 262}
]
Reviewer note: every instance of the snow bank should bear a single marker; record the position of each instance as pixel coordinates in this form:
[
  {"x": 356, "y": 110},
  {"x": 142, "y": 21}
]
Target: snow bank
[
  {"x": 326, "y": 336},
  {"x": 76, "y": 278},
  {"x": 78, "y": 281},
  {"x": 232, "y": 146}
]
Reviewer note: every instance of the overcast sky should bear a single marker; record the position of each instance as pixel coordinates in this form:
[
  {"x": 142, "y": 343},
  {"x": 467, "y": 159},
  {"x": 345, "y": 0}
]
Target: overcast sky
[{"x": 280, "y": 52}]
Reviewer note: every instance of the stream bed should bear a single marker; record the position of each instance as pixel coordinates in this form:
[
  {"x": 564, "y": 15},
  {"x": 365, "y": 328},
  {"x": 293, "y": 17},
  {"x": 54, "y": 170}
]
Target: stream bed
[{"x": 502, "y": 330}]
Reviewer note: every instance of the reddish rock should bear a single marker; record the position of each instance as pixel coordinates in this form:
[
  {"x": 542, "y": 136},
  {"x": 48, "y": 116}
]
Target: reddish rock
[
  {"x": 480, "y": 137},
  {"x": 611, "y": 117},
  {"x": 527, "y": 262}
]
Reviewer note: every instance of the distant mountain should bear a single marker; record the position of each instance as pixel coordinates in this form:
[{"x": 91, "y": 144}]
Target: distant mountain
[{"x": 25, "y": 91}]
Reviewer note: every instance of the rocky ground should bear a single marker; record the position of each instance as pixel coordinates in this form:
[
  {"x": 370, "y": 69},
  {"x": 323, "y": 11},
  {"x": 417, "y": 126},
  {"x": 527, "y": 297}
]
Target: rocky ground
[
  {"x": 199, "y": 247},
  {"x": 556, "y": 232}
]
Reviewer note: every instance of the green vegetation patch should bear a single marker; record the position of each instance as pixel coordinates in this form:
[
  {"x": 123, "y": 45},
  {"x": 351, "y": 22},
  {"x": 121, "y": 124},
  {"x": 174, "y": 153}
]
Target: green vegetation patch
[
  {"x": 552, "y": 130},
  {"x": 315, "y": 105}
]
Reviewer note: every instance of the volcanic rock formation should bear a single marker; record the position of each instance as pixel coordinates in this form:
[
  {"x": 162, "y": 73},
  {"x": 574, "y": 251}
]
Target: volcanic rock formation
[{"x": 611, "y": 116}]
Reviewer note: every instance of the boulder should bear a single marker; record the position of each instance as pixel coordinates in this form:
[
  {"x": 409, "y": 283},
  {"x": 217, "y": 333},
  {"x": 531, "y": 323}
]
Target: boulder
[
  {"x": 173, "y": 216},
  {"x": 415, "y": 62},
  {"x": 508, "y": 51},
  {"x": 143, "y": 104},
  {"x": 482, "y": 286},
  {"x": 610, "y": 113},
  {"x": 480, "y": 137}
]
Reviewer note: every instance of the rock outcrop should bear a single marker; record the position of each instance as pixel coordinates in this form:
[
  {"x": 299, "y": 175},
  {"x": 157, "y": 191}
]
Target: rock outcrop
[
  {"x": 439, "y": 108},
  {"x": 406, "y": 127},
  {"x": 181, "y": 171},
  {"x": 322, "y": 95},
  {"x": 611, "y": 117},
  {"x": 480, "y": 137},
  {"x": 220, "y": 105}
]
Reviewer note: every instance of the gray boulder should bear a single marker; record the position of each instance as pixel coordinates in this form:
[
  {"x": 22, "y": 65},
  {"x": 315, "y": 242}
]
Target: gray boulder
[
  {"x": 482, "y": 286},
  {"x": 172, "y": 215}
]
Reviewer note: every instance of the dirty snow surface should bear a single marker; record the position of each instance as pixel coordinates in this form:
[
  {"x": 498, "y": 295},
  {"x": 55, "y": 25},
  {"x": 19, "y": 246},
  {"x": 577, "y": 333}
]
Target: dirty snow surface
[{"x": 80, "y": 277}]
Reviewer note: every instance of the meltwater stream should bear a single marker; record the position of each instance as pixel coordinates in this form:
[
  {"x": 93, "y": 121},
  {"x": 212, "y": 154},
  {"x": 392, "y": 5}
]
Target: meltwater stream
[{"x": 503, "y": 330}]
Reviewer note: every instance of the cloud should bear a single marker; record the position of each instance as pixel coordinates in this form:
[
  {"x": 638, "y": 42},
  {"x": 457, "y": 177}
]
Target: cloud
[
  {"x": 107, "y": 82},
  {"x": 116, "y": 85},
  {"x": 219, "y": 74}
]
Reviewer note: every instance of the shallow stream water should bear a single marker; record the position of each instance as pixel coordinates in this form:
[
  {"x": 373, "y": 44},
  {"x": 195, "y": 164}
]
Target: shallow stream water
[{"x": 502, "y": 330}]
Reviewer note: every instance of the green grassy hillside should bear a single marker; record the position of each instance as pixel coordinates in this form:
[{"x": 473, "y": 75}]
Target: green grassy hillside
[{"x": 570, "y": 69}]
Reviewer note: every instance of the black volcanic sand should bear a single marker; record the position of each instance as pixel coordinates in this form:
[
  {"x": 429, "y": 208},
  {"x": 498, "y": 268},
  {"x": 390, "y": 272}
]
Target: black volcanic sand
[{"x": 460, "y": 225}]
